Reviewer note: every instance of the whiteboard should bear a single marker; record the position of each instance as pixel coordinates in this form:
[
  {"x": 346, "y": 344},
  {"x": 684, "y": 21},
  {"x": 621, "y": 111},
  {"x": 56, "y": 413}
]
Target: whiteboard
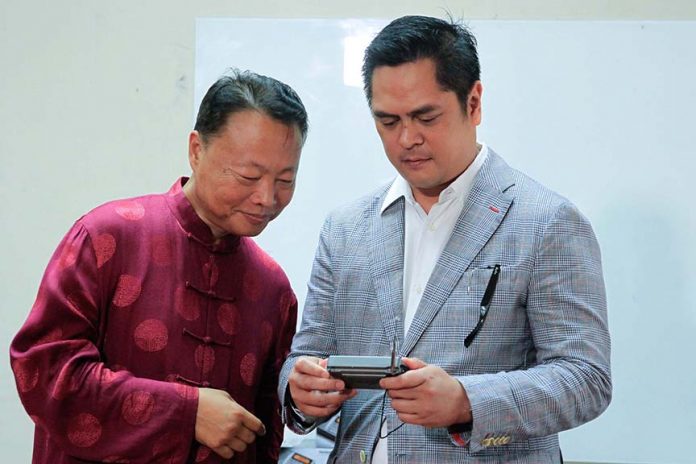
[{"x": 601, "y": 112}]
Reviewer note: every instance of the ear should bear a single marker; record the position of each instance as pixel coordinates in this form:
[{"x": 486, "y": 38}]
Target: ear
[
  {"x": 473, "y": 103},
  {"x": 196, "y": 149}
]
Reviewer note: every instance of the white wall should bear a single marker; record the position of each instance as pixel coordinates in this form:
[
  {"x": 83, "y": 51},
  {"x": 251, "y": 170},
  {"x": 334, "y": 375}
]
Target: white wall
[{"x": 96, "y": 101}]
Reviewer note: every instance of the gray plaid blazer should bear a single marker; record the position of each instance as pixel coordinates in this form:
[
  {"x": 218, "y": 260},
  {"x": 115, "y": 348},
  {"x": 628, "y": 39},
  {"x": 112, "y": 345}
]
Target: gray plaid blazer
[{"x": 539, "y": 365}]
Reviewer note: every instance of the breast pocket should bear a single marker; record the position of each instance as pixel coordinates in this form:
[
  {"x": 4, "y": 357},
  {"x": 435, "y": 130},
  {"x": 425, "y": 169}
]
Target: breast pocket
[{"x": 503, "y": 340}]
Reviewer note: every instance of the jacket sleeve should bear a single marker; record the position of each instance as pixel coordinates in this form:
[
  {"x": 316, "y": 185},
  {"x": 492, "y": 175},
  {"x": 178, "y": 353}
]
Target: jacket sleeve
[
  {"x": 90, "y": 411},
  {"x": 570, "y": 382},
  {"x": 317, "y": 336},
  {"x": 267, "y": 403}
]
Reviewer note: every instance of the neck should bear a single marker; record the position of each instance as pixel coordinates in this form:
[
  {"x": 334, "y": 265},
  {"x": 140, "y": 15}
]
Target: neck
[
  {"x": 427, "y": 197},
  {"x": 190, "y": 193}
]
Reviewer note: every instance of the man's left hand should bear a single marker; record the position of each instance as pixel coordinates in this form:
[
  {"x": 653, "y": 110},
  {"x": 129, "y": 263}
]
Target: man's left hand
[{"x": 427, "y": 395}]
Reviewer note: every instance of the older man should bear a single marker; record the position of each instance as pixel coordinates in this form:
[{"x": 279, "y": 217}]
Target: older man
[{"x": 160, "y": 328}]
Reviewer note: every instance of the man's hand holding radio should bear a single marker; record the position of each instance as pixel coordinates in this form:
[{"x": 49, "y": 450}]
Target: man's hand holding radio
[
  {"x": 313, "y": 390},
  {"x": 427, "y": 395}
]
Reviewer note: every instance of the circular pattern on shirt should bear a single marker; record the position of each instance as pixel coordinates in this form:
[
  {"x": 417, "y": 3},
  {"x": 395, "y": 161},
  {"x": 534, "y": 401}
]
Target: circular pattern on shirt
[
  {"x": 104, "y": 248},
  {"x": 68, "y": 255},
  {"x": 137, "y": 407},
  {"x": 161, "y": 250},
  {"x": 247, "y": 369},
  {"x": 151, "y": 335},
  {"x": 26, "y": 373},
  {"x": 211, "y": 272},
  {"x": 65, "y": 383},
  {"x": 205, "y": 358},
  {"x": 228, "y": 318},
  {"x": 127, "y": 290},
  {"x": 130, "y": 210},
  {"x": 186, "y": 304},
  {"x": 251, "y": 285},
  {"x": 84, "y": 430},
  {"x": 203, "y": 453}
]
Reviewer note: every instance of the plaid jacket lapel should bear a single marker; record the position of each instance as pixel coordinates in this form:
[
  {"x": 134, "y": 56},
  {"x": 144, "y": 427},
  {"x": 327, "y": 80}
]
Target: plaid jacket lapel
[
  {"x": 481, "y": 215},
  {"x": 387, "y": 255}
]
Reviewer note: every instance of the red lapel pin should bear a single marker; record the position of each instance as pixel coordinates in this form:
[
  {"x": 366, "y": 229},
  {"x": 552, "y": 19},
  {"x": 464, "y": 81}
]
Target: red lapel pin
[{"x": 494, "y": 209}]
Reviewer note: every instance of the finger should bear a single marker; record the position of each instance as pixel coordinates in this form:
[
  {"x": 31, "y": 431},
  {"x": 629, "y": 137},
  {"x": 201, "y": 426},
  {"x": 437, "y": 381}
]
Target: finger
[
  {"x": 321, "y": 399},
  {"x": 413, "y": 363},
  {"x": 255, "y": 425},
  {"x": 237, "y": 445},
  {"x": 410, "y": 379},
  {"x": 311, "y": 382},
  {"x": 311, "y": 366},
  {"x": 246, "y": 435},
  {"x": 406, "y": 406},
  {"x": 250, "y": 421},
  {"x": 410, "y": 418},
  {"x": 224, "y": 452},
  {"x": 404, "y": 394}
]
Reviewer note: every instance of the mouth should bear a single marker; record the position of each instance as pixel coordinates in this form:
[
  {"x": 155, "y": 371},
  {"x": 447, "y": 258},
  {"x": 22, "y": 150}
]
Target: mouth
[
  {"x": 414, "y": 162},
  {"x": 257, "y": 218}
]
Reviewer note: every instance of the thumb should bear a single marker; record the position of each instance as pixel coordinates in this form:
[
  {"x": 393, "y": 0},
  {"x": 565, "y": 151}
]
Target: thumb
[{"x": 413, "y": 363}]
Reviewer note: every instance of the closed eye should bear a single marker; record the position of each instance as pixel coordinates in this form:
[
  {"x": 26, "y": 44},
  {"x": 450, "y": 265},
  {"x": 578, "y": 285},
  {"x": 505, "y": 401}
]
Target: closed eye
[{"x": 428, "y": 119}]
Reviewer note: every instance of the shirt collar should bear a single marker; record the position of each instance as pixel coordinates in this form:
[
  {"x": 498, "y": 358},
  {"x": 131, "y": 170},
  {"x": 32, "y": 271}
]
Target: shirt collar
[
  {"x": 460, "y": 187},
  {"x": 193, "y": 225}
]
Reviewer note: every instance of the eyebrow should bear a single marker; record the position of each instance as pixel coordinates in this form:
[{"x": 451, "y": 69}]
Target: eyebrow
[
  {"x": 256, "y": 165},
  {"x": 412, "y": 114}
]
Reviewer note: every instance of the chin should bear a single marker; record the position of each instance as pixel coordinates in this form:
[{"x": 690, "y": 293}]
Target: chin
[{"x": 252, "y": 231}]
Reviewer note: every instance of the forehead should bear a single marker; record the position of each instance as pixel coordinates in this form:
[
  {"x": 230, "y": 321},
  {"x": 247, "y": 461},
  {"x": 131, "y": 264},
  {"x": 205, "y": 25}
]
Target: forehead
[
  {"x": 406, "y": 86},
  {"x": 253, "y": 136}
]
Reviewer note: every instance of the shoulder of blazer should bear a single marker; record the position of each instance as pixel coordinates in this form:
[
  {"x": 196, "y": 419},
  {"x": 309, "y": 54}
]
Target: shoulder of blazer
[{"x": 526, "y": 191}]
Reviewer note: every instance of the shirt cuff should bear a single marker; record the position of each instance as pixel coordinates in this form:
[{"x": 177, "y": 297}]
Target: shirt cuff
[{"x": 304, "y": 421}]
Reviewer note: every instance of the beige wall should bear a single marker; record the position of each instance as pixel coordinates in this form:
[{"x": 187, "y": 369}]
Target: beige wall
[{"x": 84, "y": 81}]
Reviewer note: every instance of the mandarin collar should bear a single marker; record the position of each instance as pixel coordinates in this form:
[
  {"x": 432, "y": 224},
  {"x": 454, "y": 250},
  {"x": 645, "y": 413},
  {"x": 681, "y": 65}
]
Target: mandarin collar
[{"x": 192, "y": 225}]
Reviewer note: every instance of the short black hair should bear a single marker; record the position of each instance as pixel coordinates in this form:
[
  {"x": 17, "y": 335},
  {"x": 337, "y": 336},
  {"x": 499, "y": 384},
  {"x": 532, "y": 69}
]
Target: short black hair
[
  {"x": 245, "y": 90},
  {"x": 449, "y": 44}
]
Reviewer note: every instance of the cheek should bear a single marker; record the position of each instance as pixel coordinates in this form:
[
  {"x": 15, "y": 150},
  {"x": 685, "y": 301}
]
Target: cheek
[
  {"x": 283, "y": 198},
  {"x": 225, "y": 198}
]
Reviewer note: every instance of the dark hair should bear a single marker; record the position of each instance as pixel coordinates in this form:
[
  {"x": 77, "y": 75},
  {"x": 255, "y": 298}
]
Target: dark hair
[
  {"x": 245, "y": 90},
  {"x": 450, "y": 45}
]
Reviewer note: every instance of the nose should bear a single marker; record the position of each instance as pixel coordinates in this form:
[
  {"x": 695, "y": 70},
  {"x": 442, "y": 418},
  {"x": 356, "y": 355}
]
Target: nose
[
  {"x": 265, "y": 194},
  {"x": 409, "y": 136}
]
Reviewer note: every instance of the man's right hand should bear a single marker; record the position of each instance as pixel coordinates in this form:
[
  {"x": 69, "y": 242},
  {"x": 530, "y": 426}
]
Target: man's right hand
[
  {"x": 313, "y": 390},
  {"x": 223, "y": 425}
]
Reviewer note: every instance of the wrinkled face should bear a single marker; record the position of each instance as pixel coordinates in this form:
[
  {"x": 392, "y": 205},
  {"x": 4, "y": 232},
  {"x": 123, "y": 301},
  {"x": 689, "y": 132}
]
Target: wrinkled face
[
  {"x": 426, "y": 134},
  {"x": 244, "y": 176}
]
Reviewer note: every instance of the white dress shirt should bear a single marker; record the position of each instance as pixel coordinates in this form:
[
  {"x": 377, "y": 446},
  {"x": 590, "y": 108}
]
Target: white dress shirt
[{"x": 426, "y": 235}]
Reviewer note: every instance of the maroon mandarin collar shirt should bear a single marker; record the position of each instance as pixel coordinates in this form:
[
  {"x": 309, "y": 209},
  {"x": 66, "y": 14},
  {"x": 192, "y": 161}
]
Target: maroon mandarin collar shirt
[{"x": 138, "y": 307}]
